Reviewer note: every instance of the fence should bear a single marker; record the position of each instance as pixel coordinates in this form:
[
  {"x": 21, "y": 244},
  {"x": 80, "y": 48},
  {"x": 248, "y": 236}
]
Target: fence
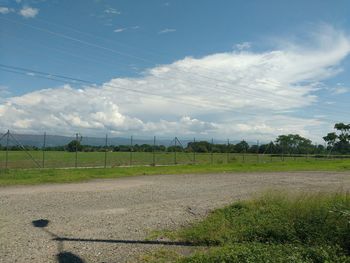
[{"x": 34, "y": 151}]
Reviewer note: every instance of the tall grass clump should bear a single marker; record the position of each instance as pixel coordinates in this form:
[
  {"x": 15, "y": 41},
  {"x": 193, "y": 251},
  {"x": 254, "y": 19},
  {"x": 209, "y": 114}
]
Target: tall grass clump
[{"x": 275, "y": 227}]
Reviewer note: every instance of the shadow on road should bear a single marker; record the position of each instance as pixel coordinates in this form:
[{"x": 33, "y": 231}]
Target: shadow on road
[
  {"x": 121, "y": 241},
  {"x": 68, "y": 257},
  {"x": 61, "y": 256}
]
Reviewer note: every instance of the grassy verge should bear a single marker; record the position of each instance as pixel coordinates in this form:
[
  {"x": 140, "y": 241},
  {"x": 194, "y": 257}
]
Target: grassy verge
[
  {"x": 37, "y": 176},
  {"x": 271, "y": 228}
]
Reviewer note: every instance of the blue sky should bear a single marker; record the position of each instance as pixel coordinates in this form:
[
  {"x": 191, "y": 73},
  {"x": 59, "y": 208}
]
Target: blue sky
[{"x": 237, "y": 69}]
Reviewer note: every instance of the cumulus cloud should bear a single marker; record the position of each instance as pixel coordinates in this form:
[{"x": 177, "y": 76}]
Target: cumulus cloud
[
  {"x": 29, "y": 12},
  {"x": 233, "y": 94}
]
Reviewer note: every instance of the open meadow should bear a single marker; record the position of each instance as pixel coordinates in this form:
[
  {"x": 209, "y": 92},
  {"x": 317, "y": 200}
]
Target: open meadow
[{"x": 63, "y": 159}]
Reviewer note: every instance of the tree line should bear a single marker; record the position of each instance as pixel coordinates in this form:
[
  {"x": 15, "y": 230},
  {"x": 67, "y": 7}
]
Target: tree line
[{"x": 337, "y": 142}]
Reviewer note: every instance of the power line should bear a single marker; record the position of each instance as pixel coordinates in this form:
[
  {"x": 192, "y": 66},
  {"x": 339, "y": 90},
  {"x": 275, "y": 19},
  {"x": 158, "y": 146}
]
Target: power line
[
  {"x": 69, "y": 80},
  {"x": 150, "y": 61},
  {"x": 271, "y": 95}
]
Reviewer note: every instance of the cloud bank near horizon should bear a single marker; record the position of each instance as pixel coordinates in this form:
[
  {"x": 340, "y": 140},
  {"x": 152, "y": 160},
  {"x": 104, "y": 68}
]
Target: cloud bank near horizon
[{"x": 238, "y": 94}]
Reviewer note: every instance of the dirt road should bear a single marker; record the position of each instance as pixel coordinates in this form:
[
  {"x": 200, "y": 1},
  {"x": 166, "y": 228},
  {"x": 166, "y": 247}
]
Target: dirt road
[{"x": 108, "y": 220}]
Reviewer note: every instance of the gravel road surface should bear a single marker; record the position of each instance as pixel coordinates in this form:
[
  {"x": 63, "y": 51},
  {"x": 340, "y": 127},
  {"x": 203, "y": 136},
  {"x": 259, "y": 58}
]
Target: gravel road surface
[{"x": 108, "y": 220}]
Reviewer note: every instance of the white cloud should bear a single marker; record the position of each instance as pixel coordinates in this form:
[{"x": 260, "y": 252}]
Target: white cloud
[
  {"x": 243, "y": 46},
  {"x": 118, "y": 30},
  {"x": 167, "y": 30},
  {"x": 249, "y": 95},
  {"x": 29, "y": 12},
  {"x": 339, "y": 90},
  {"x": 112, "y": 11},
  {"x": 5, "y": 10}
]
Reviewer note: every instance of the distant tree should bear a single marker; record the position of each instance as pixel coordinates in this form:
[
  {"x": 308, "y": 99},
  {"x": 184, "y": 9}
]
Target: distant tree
[
  {"x": 294, "y": 143},
  {"x": 74, "y": 145},
  {"x": 339, "y": 141},
  {"x": 241, "y": 147},
  {"x": 330, "y": 139}
]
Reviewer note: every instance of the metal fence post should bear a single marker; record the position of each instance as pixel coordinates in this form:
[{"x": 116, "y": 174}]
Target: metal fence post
[
  {"x": 106, "y": 144},
  {"x": 244, "y": 150},
  {"x": 211, "y": 151},
  {"x": 44, "y": 145},
  {"x": 7, "y": 149},
  {"x": 257, "y": 151},
  {"x": 76, "y": 150},
  {"x": 131, "y": 150},
  {"x": 228, "y": 151},
  {"x": 194, "y": 150},
  {"x": 154, "y": 151},
  {"x": 175, "y": 160}
]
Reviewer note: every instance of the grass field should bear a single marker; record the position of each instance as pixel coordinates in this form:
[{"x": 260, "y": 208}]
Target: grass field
[
  {"x": 61, "y": 159},
  {"x": 276, "y": 227},
  {"x": 40, "y": 176}
]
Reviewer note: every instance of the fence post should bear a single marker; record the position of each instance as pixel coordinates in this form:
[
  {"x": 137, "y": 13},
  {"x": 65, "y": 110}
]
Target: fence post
[
  {"x": 244, "y": 150},
  {"x": 131, "y": 150},
  {"x": 194, "y": 150},
  {"x": 44, "y": 145},
  {"x": 154, "y": 151},
  {"x": 175, "y": 160},
  {"x": 7, "y": 149},
  {"x": 228, "y": 151},
  {"x": 211, "y": 151},
  {"x": 257, "y": 151},
  {"x": 76, "y": 150},
  {"x": 106, "y": 144}
]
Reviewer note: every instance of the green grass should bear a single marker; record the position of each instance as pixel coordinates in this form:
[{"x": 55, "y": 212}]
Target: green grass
[
  {"x": 40, "y": 176},
  {"x": 276, "y": 227},
  {"x": 62, "y": 159}
]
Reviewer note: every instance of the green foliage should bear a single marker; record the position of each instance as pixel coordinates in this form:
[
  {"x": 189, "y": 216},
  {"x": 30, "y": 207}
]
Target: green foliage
[
  {"x": 277, "y": 218},
  {"x": 274, "y": 253},
  {"x": 339, "y": 143},
  {"x": 74, "y": 146},
  {"x": 41, "y": 176}
]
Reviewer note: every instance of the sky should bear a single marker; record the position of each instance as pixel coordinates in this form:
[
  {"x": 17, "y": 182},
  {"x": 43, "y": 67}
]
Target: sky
[{"x": 239, "y": 69}]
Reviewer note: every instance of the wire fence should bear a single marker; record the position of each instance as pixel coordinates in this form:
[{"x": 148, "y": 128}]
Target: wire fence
[{"x": 50, "y": 151}]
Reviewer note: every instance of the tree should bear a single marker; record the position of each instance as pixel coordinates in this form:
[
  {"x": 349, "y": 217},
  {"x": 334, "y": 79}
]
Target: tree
[
  {"x": 330, "y": 139},
  {"x": 294, "y": 143},
  {"x": 343, "y": 143},
  {"x": 74, "y": 146},
  {"x": 242, "y": 147}
]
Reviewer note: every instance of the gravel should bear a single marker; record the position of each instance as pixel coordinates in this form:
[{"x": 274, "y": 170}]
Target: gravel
[{"x": 108, "y": 220}]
